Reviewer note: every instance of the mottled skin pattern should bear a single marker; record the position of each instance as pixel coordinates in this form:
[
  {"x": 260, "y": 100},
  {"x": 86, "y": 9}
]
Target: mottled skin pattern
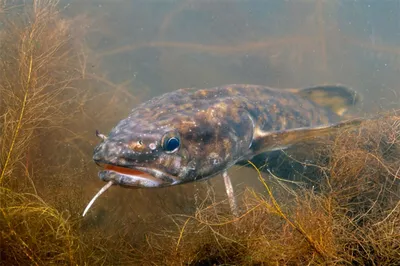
[{"x": 217, "y": 128}]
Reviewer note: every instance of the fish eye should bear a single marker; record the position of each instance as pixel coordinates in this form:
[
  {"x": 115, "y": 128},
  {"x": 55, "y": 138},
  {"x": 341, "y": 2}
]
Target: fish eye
[{"x": 171, "y": 144}]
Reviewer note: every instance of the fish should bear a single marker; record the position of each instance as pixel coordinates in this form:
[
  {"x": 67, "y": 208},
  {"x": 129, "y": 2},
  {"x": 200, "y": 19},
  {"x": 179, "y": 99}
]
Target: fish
[{"x": 193, "y": 134}]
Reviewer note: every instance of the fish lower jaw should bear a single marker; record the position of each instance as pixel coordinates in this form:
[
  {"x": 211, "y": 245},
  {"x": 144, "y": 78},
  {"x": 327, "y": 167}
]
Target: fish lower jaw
[{"x": 131, "y": 181}]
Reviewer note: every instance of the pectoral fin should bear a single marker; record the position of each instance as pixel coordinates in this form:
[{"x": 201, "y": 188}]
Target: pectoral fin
[
  {"x": 230, "y": 194},
  {"x": 269, "y": 141}
]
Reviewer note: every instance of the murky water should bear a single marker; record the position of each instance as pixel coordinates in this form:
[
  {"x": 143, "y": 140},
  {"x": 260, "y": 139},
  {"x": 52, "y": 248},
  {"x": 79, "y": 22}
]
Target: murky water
[
  {"x": 145, "y": 48},
  {"x": 152, "y": 47},
  {"x": 138, "y": 49}
]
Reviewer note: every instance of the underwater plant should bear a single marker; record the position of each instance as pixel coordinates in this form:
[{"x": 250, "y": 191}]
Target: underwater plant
[{"x": 345, "y": 211}]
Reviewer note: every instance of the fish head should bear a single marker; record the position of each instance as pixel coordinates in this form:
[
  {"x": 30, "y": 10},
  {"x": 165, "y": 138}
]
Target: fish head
[
  {"x": 170, "y": 149},
  {"x": 141, "y": 153}
]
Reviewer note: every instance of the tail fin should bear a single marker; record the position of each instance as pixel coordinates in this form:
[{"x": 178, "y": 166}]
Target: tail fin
[{"x": 338, "y": 98}]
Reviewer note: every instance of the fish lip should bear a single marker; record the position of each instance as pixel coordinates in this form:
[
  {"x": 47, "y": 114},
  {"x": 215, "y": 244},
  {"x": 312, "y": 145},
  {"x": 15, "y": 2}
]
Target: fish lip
[
  {"x": 156, "y": 178},
  {"x": 156, "y": 173}
]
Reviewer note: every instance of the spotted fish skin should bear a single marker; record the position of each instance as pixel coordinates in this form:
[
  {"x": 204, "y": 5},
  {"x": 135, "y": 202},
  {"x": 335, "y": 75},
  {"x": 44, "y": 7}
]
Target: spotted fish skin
[{"x": 216, "y": 128}]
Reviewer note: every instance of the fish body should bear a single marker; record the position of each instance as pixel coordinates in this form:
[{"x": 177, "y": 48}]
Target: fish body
[{"x": 189, "y": 134}]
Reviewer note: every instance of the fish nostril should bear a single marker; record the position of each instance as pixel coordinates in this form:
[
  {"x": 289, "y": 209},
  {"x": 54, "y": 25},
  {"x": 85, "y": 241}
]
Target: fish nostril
[
  {"x": 109, "y": 151},
  {"x": 98, "y": 152}
]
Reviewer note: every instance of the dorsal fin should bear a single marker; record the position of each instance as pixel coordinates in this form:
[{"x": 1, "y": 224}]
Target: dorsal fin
[{"x": 338, "y": 98}]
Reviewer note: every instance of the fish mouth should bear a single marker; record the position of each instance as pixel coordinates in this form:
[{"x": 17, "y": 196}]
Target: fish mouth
[{"x": 136, "y": 177}]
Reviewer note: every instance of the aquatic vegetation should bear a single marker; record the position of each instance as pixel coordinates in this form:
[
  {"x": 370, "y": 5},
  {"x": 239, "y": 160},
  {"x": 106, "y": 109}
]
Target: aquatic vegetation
[
  {"x": 349, "y": 215},
  {"x": 38, "y": 68},
  {"x": 38, "y": 64},
  {"x": 33, "y": 232}
]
